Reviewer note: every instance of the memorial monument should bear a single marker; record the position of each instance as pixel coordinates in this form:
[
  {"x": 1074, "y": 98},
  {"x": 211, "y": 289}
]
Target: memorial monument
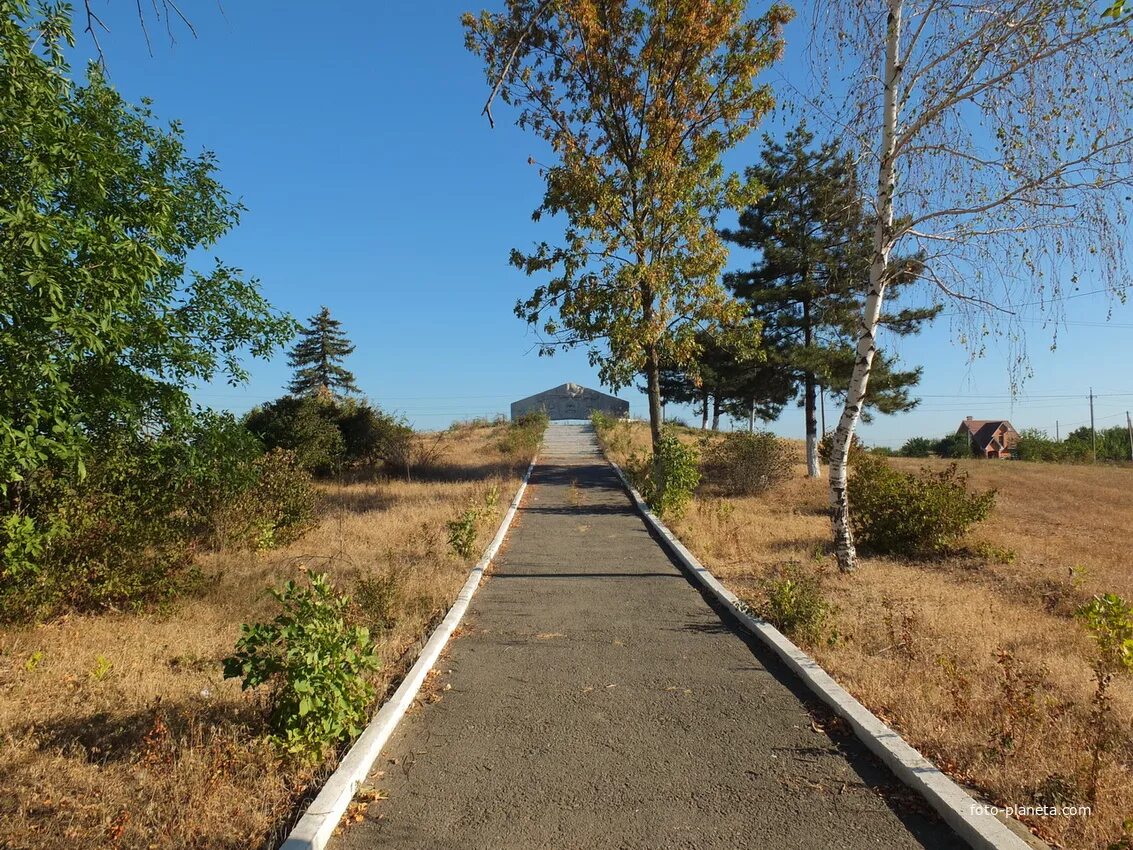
[{"x": 570, "y": 401}]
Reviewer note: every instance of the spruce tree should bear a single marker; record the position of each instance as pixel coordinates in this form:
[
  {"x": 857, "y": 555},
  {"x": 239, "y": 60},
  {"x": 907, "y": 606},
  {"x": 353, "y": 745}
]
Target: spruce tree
[
  {"x": 813, "y": 239},
  {"x": 317, "y": 359}
]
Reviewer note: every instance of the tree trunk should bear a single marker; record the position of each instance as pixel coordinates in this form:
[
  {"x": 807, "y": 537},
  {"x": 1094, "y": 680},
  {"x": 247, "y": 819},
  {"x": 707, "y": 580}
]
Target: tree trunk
[
  {"x": 715, "y": 413},
  {"x": 810, "y": 388},
  {"x": 810, "y": 391},
  {"x": 703, "y": 409},
  {"x": 751, "y": 418},
  {"x": 653, "y": 388},
  {"x": 867, "y": 340}
]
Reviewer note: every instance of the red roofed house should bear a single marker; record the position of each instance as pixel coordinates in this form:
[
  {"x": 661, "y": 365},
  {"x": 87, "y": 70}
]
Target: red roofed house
[{"x": 990, "y": 437}]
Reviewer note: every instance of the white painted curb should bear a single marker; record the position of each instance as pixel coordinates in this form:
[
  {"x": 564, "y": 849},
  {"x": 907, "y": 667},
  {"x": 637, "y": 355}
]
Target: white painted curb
[
  {"x": 318, "y": 823},
  {"x": 972, "y": 821}
]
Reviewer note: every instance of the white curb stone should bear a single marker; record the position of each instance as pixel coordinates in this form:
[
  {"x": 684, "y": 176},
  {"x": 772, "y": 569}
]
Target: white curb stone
[
  {"x": 968, "y": 818},
  {"x": 318, "y": 823}
]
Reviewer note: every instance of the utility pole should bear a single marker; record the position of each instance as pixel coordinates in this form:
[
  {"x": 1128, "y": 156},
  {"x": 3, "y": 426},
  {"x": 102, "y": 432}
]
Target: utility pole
[
  {"x": 1057, "y": 438},
  {"x": 1093, "y": 431},
  {"x": 751, "y": 418}
]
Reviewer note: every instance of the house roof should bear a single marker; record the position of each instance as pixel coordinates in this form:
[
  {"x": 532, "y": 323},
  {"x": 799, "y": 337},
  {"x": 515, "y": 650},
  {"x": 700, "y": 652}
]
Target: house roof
[{"x": 984, "y": 432}]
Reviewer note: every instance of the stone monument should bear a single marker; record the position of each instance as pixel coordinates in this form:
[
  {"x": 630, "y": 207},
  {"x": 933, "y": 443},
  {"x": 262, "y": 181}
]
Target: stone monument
[{"x": 570, "y": 401}]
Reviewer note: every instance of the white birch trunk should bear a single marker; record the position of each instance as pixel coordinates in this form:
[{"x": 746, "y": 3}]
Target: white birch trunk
[
  {"x": 867, "y": 338},
  {"x": 812, "y": 468}
]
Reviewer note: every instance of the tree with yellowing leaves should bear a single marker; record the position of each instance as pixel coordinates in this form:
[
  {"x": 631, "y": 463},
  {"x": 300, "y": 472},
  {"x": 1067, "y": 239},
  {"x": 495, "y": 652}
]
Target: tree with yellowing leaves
[{"x": 638, "y": 100}]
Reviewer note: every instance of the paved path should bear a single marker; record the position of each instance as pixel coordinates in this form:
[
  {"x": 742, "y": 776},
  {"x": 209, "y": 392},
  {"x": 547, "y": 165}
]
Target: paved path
[{"x": 598, "y": 701}]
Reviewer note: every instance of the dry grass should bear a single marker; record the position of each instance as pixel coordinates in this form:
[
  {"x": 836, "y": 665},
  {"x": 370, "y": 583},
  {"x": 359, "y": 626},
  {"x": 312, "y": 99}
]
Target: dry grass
[
  {"x": 978, "y": 663},
  {"x": 119, "y": 731}
]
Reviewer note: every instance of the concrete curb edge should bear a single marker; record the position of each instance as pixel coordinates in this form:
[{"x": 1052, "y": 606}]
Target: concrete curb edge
[
  {"x": 315, "y": 827},
  {"x": 960, "y": 810}
]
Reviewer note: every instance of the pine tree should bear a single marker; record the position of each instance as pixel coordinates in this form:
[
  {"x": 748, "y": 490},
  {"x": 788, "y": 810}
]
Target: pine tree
[
  {"x": 813, "y": 238},
  {"x": 736, "y": 372},
  {"x": 318, "y": 356}
]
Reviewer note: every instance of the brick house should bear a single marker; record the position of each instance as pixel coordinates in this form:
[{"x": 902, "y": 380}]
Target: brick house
[{"x": 990, "y": 437}]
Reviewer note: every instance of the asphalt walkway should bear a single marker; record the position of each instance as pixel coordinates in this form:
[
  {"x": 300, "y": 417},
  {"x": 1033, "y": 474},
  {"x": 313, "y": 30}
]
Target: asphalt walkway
[{"x": 595, "y": 699}]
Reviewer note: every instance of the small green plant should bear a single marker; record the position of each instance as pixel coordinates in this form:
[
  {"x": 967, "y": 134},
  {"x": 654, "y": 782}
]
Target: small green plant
[
  {"x": 901, "y": 513},
  {"x": 672, "y": 476},
  {"x": 33, "y": 661},
  {"x": 1109, "y": 620},
  {"x": 747, "y": 464},
  {"x": 794, "y": 602},
  {"x": 103, "y": 667},
  {"x": 491, "y": 496},
  {"x": 315, "y": 665},
  {"x": 462, "y": 533}
]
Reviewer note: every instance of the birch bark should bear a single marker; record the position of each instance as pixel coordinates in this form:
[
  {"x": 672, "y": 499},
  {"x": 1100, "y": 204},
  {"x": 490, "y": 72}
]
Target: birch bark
[{"x": 844, "y": 549}]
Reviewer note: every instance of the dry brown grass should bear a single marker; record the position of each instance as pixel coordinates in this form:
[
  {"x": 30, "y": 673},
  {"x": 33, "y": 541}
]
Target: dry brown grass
[
  {"x": 119, "y": 731},
  {"x": 978, "y": 663}
]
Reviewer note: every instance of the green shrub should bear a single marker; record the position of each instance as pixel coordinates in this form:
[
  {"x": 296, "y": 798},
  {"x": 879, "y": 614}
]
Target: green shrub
[
  {"x": 794, "y": 602},
  {"x": 668, "y": 481},
  {"x": 903, "y": 513},
  {"x": 125, "y": 534},
  {"x": 304, "y": 425},
  {"x": 524, "y": 435},
  {"x": 747, "y": 463},
  {"x": 462, "y": 533},
  {"x": 278, "y": 508},
  {"x": 328, "y": 433},
  {"x": 1109, "y": 620},
  {"x": 918, "y": 447},
  {"x": 314, "y": 664},
  {"x": 1033, "y": 444},
  {"x": 120, "y": 537}
]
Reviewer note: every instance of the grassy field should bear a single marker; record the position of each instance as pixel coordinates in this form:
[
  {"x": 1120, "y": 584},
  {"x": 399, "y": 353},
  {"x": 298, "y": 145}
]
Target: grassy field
[
  {"x": 118, "y": 731},
  {"x": 978, "y": 662}
]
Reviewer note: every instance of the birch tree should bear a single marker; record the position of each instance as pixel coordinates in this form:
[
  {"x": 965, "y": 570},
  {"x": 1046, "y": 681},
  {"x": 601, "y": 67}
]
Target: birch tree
[
  {"x": 998, "y": 138},
  {"x": 638, "y": 101}
]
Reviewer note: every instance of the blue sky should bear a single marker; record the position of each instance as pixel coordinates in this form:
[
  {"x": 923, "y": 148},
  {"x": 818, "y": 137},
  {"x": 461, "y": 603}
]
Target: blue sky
[{"x": 373, "y": 186}]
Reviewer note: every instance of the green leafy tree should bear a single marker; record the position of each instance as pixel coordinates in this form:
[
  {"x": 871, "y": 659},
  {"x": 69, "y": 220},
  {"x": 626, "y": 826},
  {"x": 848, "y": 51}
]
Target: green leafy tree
[
  {"x": 317, "y": 358},
  {"x": 814, "y": 247},
  {"x": 956, "y": 446},
  {"x": 638, "y": 101},
  {"x": 1111, "y": 443},
  {"x": 103, "y": 324},
  {"x": 918, "y": 447}
]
